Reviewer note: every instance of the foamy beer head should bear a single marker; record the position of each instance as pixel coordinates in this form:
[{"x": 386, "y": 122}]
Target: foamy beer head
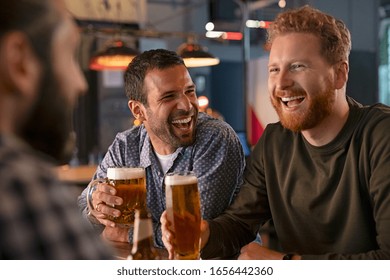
[
  {"x": 174, "y": 179},
  {"x": 125, "y": 173},
  {"x": 183, "y": 209},
  {"x": 130, "y": 185}
]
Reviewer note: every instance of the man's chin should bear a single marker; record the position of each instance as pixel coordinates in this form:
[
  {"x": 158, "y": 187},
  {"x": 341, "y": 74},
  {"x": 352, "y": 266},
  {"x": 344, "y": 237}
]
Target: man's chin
[{"x": 187, "y": 141}]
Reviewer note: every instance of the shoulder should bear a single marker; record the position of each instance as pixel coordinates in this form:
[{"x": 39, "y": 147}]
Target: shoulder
[
  {"x": 20, "y": 161},
  {"x": 210, "y": 127},
  {"x": 32, "y": 197},
  {"x": 129, "y": 139},
  {"x": 27, "y": 178},
  {"x": 274, "y": 137},
  {"x": 130, "y": 135},
  {"x": 126, "y": 147},
  {"x": 377, "y": 110},
  {"x": 380, "y": 110},
  {"x": 276, "y": 130},
  {"x": 372, "y": 117}
]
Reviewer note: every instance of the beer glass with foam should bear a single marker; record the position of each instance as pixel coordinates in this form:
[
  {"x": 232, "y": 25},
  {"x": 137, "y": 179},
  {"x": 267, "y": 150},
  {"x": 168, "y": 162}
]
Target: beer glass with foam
[
  {"x": 183, "y": 210},
  {"x": 130, "y": 184}
]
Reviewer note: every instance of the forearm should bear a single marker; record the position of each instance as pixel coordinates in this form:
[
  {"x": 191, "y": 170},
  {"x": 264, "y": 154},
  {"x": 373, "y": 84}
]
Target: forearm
[
  {"x": 85, "y": 212},
  {"x": 226, "y": 238}
]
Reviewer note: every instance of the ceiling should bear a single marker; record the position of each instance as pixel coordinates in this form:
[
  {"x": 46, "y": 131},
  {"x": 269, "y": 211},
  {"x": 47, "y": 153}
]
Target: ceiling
[
  {"x": 135, "y": 11},
  {"x": 126, "y": 11}
]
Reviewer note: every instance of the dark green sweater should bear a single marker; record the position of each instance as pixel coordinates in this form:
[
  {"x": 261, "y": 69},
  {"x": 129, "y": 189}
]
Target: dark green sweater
[{"x": 328, "y": 202}]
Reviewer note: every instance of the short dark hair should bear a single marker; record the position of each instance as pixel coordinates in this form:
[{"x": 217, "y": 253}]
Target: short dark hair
[
  {"x": 333, "y": 33},
  {"x": 36, "y": 18},
  {"x": 141, "y": 64}
]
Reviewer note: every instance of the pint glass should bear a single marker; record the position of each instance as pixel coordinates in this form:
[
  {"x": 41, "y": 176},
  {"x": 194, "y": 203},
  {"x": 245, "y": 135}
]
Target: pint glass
[
  {"x": 183, "y": 210},
  {"x": 130, "y": 185}
]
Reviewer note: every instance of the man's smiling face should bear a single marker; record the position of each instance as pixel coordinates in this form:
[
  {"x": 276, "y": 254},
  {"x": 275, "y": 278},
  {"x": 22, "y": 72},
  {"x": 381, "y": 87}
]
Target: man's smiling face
[
  {"x": 300, "y": 81},
  {"x": 172, "y": 109}
]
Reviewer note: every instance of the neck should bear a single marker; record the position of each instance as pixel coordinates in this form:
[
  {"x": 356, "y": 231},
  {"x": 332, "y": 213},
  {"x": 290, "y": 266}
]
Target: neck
[
  {"x": 160, "y": 147},
  {"x": 330, "y": 127},
  {"x": 9, "y": 114}
]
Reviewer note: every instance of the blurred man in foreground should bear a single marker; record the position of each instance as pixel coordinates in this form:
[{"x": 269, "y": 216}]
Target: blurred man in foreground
[{"x": 40, "y": 82}]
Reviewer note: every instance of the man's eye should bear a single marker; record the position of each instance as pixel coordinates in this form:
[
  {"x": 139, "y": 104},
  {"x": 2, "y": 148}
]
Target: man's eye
[
  {"x": 272, "y": 70},
  {"x": 166, "y": 97},
  {"x": 297, "y": 66}
]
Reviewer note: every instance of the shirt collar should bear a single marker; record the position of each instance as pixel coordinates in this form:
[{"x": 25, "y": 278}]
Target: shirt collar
[{"x": 147, "y": 153}]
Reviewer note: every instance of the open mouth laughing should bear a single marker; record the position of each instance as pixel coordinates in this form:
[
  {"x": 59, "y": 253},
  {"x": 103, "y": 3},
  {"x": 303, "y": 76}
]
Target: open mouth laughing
[
  {"x": 292, "y": 101},
  {"x": 183, "y": 124}
]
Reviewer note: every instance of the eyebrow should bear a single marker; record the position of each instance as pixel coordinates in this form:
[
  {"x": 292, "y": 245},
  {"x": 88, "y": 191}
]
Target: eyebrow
[{"x": 191, "y": 86}]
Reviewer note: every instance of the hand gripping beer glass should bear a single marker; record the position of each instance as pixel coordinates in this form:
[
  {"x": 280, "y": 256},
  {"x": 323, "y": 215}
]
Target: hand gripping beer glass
[
  {"x": 130, "y": 184},
  {"x": 183, "y": 210}
]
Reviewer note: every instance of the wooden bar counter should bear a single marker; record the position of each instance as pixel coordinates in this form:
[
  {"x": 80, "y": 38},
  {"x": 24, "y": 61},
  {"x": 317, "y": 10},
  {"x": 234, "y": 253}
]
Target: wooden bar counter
[{"x": 77, "y": 175}]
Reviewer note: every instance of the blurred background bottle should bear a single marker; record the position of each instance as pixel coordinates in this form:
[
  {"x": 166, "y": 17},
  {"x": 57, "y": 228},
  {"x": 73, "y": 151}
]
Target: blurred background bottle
[{"x": 143, "y": 248}]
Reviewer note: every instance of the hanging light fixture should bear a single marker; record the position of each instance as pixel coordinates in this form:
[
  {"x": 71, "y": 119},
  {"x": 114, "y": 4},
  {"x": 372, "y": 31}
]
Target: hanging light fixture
[
  {"x": 195, "y": 55},
  {"x": 114, "y": 56}
]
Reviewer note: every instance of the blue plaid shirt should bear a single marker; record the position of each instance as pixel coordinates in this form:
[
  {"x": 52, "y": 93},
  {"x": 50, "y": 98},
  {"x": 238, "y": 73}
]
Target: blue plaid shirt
[
  {"x": 216, "y": 157},
  {"x": 39, "y": 217}
]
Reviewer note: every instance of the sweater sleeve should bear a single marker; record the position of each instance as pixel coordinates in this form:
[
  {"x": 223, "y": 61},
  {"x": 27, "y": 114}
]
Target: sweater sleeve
[{"x": 239, "y": 224}]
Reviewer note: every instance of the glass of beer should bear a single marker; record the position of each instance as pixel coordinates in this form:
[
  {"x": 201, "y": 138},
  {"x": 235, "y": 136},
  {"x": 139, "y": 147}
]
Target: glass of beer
[
  {"x": 130, "y": 185},
  {"x": 183, "y": 210}
]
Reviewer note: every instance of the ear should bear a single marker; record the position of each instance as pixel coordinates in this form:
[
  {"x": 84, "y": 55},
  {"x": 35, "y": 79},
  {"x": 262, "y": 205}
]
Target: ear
[
  {"x": 137, "y": 109},
  {"x": 20, "y": 68},
  {"x": 341, "y": 71}
]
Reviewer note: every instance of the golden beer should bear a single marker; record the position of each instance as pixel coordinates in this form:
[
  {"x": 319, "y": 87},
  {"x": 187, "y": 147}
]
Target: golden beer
[
  {"x": 130, "y": 184},
  {"x": 183, "y": 209}
]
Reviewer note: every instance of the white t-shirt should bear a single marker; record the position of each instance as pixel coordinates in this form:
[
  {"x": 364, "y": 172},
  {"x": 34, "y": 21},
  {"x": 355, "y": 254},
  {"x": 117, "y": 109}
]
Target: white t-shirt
[{"x": 164, "y": 161}]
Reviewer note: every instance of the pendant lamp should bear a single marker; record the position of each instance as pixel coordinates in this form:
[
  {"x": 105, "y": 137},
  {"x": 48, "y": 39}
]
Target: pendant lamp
[
  {"x": 114, "y": 56},
  {"x": 195, "y": 55}
]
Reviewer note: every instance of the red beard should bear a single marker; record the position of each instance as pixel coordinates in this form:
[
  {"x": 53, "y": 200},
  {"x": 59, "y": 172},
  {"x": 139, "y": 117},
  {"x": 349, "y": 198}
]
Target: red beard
[{"x": 320, "y": 106}]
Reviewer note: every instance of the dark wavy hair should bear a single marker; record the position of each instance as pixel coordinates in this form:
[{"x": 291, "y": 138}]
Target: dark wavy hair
[
  {"x": 141, "y": 64},
  {"x": 35, "y": 18},
  {"x": 334, "y": 35}
]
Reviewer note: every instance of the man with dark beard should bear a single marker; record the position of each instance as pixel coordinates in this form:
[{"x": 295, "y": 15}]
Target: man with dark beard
[
  {"x": 321, "y": 173},
  {"x": 173, "y": 136},
  {"x": 40, "y": 82}
]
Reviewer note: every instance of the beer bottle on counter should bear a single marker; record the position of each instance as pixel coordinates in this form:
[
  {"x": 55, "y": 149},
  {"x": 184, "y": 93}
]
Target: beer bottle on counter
[{"x": 143, "y": 248}]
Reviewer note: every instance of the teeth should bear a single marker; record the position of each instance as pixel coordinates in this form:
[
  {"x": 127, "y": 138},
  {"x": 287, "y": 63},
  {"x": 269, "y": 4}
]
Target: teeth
[
  {"x": 287, "y": 99},
  {"x": 183, "y": 120}
]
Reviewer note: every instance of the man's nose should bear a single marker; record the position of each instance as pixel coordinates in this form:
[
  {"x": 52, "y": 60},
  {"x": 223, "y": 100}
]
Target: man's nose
[
  {"x": 184, "y": 103},
  {"x": 283, "y": 80}
]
